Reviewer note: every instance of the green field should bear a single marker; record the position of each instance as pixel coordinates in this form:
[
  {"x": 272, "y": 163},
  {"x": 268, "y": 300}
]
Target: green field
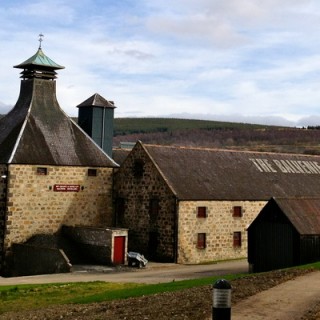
[{"x": 25, "y": 297}]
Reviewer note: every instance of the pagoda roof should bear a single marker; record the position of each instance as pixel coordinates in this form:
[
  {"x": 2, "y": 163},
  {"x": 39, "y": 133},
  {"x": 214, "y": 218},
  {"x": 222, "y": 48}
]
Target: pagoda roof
[
  {"x": 96, "y": 100},
  {"x": 41, "y": 60},
  {"x": 37, "y": 131}
]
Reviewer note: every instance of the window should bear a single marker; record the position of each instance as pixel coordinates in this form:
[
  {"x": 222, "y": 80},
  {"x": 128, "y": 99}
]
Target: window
[
  {"x": 119, "y": 211},
  {"x": 237, "y": 239},
  {"x": 201, "y": 241},
  {"x": 154, "y": 208},
  {"x": 237, "y": 212},
  {"x": 41, "y": 171},
  {"x": 201, "y": 212},
  {"x": 138, "y": 168},
  {"x": 92, "y": 172}
]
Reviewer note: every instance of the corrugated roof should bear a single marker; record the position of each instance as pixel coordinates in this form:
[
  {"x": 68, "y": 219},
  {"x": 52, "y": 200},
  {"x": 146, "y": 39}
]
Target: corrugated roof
[
  {"x": 209, "y": 174},
  {"x": 96, "y": 101},
  {"x": 304, "y": 213},
  {"x": 37, "y": 131}
]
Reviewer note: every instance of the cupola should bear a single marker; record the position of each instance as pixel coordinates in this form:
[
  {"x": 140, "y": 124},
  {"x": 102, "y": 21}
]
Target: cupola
[
  {"x": 38, "y": 131},
  {"x": 39, "y": 66}
]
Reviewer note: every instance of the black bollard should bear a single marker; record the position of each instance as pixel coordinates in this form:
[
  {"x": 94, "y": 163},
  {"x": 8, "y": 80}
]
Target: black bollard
[{"x": 221, "y": 309}]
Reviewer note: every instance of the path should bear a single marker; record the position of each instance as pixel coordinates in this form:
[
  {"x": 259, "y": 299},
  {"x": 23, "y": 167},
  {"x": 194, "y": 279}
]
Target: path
[
  {"x": 287, "y": 301},
  {"x": 154, "y": 273}
]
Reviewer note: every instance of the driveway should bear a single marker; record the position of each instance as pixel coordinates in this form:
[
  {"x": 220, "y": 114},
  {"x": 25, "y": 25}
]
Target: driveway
[{"x": 153, "y": 273}]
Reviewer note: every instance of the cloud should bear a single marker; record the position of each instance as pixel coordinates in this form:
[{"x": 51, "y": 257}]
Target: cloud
[
  {"x": 257, "y": 58},
  {"x": 232, "y": 24},
  {"x": 312, "y": 120},
  {"x": 198, "y": 27}
]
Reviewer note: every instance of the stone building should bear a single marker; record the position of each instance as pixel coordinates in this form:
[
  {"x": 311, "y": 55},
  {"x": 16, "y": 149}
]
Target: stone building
[
  {"x": 192, "y": 205},
  {"x": 52, "y": 172},
  {"x": 184, "y": 205}
]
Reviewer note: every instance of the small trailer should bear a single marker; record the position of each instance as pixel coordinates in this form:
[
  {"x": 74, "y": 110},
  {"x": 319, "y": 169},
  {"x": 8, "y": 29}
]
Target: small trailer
[{"x": 136, "y": 259}]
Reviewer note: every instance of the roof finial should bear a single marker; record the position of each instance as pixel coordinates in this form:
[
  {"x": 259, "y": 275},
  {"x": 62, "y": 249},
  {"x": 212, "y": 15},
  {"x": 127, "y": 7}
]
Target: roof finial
[{"x": 40, "y": 39}]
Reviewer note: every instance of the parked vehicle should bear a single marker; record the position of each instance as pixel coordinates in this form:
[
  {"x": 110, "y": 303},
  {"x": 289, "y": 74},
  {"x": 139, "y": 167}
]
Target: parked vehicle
[{"x": 136, "y": 259}]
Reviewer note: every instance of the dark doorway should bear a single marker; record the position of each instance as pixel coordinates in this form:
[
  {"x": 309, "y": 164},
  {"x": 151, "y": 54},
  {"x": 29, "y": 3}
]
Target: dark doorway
[{"x": 153, "y": 244}]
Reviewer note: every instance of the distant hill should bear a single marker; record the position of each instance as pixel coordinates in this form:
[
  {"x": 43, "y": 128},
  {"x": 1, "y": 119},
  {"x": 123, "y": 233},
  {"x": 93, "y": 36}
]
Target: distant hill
[
  {"x": 124, "y": 126},
  {"x": 216, "y": 134}
]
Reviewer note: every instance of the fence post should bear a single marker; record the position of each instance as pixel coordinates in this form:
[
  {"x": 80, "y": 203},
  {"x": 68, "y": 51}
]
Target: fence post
[{"x": 221, "y": 309}]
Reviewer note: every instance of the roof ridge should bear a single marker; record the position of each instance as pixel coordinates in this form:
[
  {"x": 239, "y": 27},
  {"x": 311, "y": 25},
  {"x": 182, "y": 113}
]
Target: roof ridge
[
  {"x": 229, "y": 150},
  {"x": 16, "y": 145}
]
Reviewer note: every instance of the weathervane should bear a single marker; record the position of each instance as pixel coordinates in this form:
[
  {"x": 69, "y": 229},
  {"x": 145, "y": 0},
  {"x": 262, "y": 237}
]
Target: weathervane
[{"x": 40, "y": 39}]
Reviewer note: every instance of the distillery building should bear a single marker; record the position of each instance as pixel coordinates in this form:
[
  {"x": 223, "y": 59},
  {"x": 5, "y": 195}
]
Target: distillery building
[{"x": 52, "y": 173}]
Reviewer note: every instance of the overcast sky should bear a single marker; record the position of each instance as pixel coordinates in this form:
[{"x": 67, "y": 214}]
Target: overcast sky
[{"x": 239, "y": 60}]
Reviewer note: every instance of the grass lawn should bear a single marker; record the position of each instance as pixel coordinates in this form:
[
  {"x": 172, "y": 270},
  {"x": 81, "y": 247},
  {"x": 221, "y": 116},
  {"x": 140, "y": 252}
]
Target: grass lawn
[{"x": 23, "y": 297}]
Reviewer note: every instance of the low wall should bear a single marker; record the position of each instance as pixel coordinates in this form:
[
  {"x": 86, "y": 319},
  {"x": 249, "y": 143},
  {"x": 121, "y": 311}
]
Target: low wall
[
  {"x": 33, "y": 260},
  {"x": 94, "y": 243}
]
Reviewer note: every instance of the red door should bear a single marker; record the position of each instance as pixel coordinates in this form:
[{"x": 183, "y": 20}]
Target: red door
[{"x": 118, "y": 250}]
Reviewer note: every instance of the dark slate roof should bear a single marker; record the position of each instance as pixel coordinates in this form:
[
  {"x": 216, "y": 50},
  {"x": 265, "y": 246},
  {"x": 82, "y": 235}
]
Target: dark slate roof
[
  {"x": 211, "y": 174},
  {"x": 96, "y": 101},
  {"x": 37, "y": 131},
  {"x": 119, "y": 155},
  {"x": 303, "y": 213}
]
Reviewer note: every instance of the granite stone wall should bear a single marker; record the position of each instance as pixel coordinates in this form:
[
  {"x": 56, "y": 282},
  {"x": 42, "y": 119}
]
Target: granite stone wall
[
  {"x": 140, "y": 186},
  {"x": 218, "y": 226},
  {"x": 41, "y": 201}
]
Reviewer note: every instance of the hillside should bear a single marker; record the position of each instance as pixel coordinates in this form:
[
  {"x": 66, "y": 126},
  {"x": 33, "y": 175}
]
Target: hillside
[
  {"x": 215, "y": 134},
  {"x": 124, "y": 126}
]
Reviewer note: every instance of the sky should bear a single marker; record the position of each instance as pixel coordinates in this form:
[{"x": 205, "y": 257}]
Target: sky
[{"x": 228, "y": 60}]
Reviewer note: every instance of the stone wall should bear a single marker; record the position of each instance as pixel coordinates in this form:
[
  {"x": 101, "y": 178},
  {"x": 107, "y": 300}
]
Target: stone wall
[
  {"x": 219, "y": 227},
  {"x": 3, "y": 193},
  {"x": 152, "y": 234},
  {"x": 41, "y": 203}
]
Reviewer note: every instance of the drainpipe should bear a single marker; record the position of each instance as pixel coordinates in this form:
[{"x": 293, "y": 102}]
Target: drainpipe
[
  {"x": 176, "y": 227},
  {"x": 5, "y": 215}
]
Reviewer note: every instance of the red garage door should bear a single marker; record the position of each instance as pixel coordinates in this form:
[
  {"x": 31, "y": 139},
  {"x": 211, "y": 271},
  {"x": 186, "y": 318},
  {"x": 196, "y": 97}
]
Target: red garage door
[{"x": 118, "y": 251}]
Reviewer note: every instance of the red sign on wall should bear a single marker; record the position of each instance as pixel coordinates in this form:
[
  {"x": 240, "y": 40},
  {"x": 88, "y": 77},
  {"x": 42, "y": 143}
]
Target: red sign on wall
[{"x": 66, "y": 187}]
